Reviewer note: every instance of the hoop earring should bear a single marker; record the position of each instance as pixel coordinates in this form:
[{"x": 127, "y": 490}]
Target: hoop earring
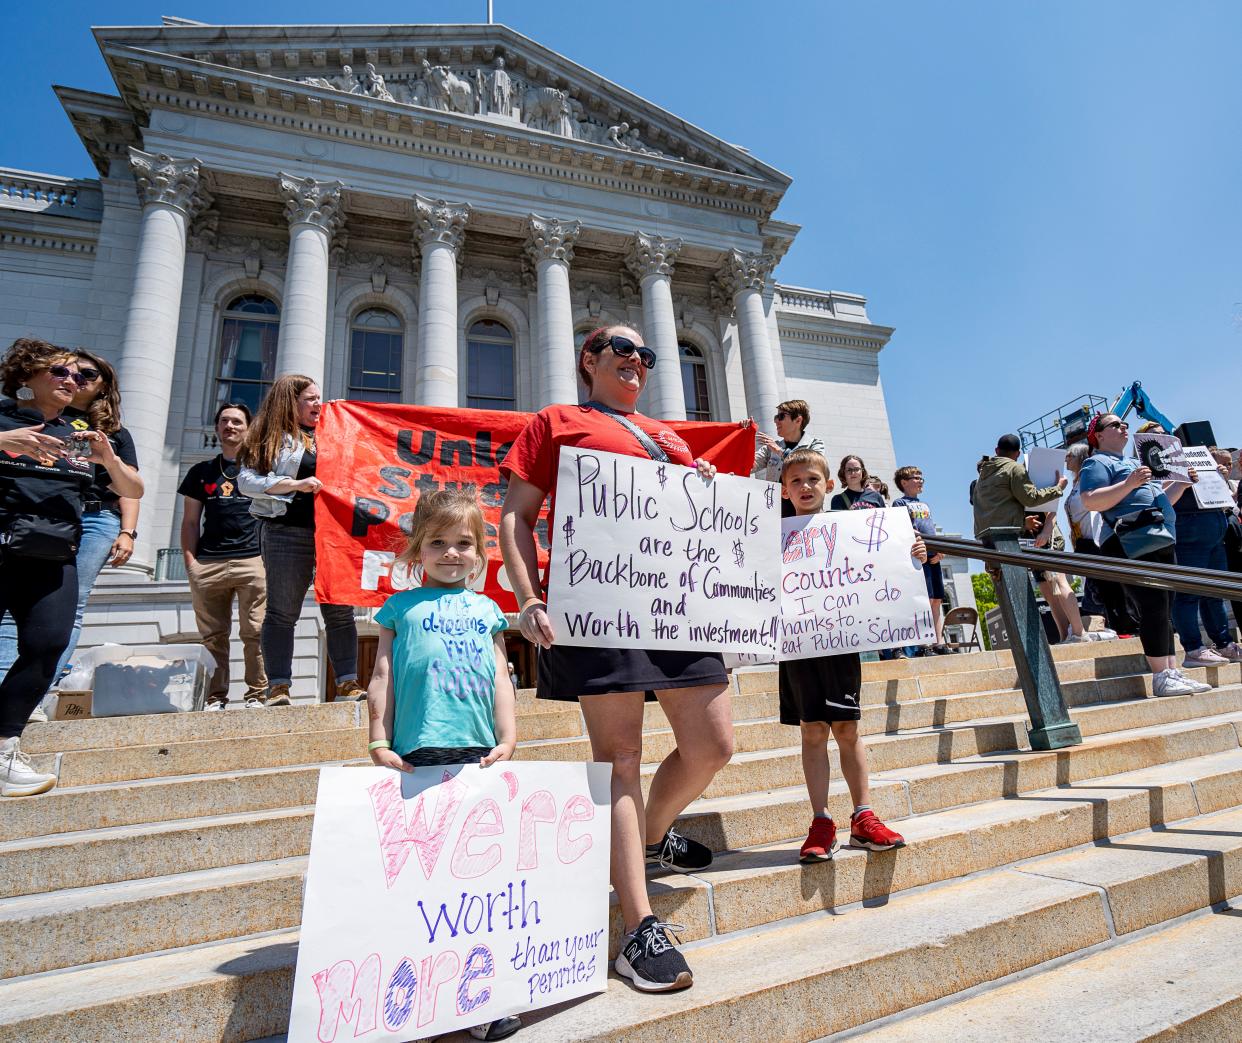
[{"x": 24, "y": 394}]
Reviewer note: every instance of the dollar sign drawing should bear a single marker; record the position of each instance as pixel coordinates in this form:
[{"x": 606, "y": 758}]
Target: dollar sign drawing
[
  {"x": 662, "y": 475},
  {"x": 767, "y": 496},
  {"x": 568, "y": 529},
  {"x": 739, "y": 555},
  {"x": 876, "y": 534}
]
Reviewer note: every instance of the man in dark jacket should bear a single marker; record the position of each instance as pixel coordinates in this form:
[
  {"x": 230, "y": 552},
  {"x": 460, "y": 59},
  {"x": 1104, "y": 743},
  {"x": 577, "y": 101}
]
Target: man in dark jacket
[{"x": 1005, "y": 491}]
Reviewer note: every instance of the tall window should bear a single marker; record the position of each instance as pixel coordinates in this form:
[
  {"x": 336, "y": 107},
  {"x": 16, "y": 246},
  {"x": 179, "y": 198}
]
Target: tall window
[
  {"x": 375, "y": 346},
  {"x": 489, "y": 366},
  {"x": 694, "y": 382},
  {"x": 248, "y": 350}
]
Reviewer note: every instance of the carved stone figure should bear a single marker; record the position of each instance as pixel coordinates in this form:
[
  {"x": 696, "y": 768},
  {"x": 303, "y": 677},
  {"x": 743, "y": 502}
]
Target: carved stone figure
[
  {"x": 547, "y": 108},
  {"x": 616, "y": 136},
  {"x": 499, "y": 89},
  {"x": 348, "y": 82},
  {"x": 447, "y": 91},
  {"x": 373, "y": 85}
]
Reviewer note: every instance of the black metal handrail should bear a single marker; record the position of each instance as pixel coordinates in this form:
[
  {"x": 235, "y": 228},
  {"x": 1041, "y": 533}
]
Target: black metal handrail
[{"x": 1204, "y": 582}]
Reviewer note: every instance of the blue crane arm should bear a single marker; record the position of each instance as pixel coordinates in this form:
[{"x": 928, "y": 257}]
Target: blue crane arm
[{"x": 1135, "y": 398}]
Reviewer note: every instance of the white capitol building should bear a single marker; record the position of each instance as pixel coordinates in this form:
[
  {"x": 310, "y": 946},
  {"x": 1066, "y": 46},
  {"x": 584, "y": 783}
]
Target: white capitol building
[{"x": 426, "y": 214}]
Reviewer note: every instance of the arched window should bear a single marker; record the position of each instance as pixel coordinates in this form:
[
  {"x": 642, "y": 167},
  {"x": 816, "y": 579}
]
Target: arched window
[
  {"x": 248, "y": 350},
  {"x": 375, "y": 347},
  {"x": 489, "y": 366},
  {"x": 694, "y": 382}
]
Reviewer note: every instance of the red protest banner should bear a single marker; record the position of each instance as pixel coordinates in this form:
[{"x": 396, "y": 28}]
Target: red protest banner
[{"x": 376, "y": 460}]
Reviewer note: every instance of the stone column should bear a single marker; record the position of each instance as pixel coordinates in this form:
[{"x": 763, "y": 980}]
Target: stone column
[
  {"x": 170, "y": 194},
  {"x": 313, "y": 209},
  {"x": 741, "y": 279},
  {"x": 550, "y": 249},
  {"x": 439, "y": 230},
  {"x": 650, "y": 259}
]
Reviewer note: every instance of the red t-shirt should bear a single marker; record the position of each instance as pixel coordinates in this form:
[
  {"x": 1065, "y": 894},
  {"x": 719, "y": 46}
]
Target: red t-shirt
[{"x": 536, "y": 453}]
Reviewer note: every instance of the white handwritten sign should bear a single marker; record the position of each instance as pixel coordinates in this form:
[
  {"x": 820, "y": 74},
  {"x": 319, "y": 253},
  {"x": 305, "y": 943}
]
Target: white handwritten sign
[
  {"x": 1211, "y": 490},
  {"x": 650, "y": 555},
  {"x": 449, "y": 897},
  {"x": 850, "y": 585},
  {"x": 1045, "y": 467}
]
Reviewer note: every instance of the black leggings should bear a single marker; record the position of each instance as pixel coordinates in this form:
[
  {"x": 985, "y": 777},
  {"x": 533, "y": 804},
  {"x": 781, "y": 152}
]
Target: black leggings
[
  {"x": 1154, "y": 607},
  {"x": 42, "y": 597}
]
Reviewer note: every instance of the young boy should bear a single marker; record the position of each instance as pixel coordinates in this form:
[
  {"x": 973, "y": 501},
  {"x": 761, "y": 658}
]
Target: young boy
[
  {"x": 910, "y": 481},
  {"x": 821, "y": 697}
]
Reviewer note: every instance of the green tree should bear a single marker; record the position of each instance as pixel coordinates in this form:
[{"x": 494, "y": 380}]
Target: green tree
[{"x": 985, "y": 599}]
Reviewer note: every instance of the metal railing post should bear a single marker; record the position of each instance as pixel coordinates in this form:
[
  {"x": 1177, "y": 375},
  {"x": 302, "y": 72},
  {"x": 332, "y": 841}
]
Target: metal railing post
[{"x": 1051, "y": 727}]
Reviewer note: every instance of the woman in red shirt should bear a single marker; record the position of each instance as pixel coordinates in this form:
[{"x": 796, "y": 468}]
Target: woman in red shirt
[{"x": 611, "y": 684}]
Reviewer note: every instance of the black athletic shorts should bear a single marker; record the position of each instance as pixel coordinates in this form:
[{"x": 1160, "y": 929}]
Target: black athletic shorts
[
  {"x": 826, "y": 688},
  {"x": 568, "y": 671}
]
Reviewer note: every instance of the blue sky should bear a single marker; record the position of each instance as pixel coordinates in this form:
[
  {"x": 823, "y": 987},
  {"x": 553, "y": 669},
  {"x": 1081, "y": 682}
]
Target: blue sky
[{"x": 1043, "y": 198}]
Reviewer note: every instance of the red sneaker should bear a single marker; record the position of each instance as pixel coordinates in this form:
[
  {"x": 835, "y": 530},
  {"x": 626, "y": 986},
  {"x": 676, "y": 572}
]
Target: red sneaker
[
  {"x": 821, "y": 842},
  {"x": 868, "y": 831}
]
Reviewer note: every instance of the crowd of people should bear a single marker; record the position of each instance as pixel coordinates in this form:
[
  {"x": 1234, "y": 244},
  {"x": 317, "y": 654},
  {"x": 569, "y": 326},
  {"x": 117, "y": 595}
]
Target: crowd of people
[{"x": 69, "y": 492}]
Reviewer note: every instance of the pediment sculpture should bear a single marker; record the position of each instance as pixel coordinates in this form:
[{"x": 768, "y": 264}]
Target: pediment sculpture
[{"x": 491, "y": 91}]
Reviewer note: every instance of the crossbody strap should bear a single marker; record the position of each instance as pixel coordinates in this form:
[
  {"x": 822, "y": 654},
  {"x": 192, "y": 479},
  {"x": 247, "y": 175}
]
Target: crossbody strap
[{"x": 644, "y": 439}]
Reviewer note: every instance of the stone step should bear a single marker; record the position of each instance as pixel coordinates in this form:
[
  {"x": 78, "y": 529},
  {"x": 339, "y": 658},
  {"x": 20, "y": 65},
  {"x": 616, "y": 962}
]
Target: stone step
[
  {"x": 118, "y": 853},
  {"x": 777, "y": 768},
  {"x": 1178, "y": 983},
  {"x": 742, "y": 889}
]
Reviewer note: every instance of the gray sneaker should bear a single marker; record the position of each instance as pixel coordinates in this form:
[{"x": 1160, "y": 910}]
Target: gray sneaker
[
  {"x": 1170, "y": 682},
  {"x": 18, "y": 777}
]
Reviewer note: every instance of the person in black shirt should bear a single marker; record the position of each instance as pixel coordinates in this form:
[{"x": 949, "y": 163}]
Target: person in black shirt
[
  {"x": 45, "y": 474},
  {"x": 854, "y": 477},
  {"x": 278, "y": 473},
  {"x": 223, "y": 559}
]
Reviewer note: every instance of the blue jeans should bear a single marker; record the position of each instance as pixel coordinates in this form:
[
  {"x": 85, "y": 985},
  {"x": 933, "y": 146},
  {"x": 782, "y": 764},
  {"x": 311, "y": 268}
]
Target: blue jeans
[
  {"x": 289, "y": 561},
  {"x": 1201, "y": 545},
  {"x": 99, "y": 532}
]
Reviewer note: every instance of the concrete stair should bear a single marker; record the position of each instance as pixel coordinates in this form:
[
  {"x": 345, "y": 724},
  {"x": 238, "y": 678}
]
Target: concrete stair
[{"x": 156, "y": 893}]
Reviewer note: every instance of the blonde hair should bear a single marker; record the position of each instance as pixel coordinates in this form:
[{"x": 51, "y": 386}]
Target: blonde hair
[
  {"x": 436, "y": 512},
  {"x": 806, "y": 458}
]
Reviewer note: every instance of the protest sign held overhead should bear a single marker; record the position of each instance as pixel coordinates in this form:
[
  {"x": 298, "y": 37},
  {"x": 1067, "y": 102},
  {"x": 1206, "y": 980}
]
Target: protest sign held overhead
[
  {"x": 850, "y": 585},
  {"x": 473, "y": 893},
  {"x": 1045, "y": 467},
  {"x": 651, "y": 555},
  {"x": 1211, "y": 490},
  {"x": 377, "y": 459}
]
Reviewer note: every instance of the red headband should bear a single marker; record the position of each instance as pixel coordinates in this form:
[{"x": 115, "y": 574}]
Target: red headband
[{"x": 1093, "y": 435}]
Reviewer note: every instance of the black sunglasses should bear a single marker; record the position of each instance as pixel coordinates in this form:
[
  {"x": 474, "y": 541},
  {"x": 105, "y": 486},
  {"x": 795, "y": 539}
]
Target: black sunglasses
[
  {"x": 1115, "y": 423},
  {"x": 623, "y": 347},
  {"x": 779, "y": 417},
  {"x": 89, "y": 373},
  {"x": 60, "y": 372}
]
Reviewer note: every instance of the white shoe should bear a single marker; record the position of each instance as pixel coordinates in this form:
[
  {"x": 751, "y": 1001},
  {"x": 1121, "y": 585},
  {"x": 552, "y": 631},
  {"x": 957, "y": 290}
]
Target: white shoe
[
  {"x": 1103, "y": 635},
  {"x": 17, "y": 775},
  {"x": 1231, "y": 651},
  {"x": 210, "y": 707},
  {"x": 254, "y": 704},
  {"x": 1204, "y": 657},
  {"x": 38, "y": 715},
  {"x": 1075, "y": 639},
  {"x": 1199, "y": 686}
]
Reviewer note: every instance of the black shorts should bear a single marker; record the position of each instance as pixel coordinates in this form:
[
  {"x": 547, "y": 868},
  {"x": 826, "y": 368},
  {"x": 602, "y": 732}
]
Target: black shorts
[
  {"x": 825, "y": 688},
  {"x": 568, "y": 671},
  {"x": 934, "y": 578},
  {"x": 430, "y": 756}
]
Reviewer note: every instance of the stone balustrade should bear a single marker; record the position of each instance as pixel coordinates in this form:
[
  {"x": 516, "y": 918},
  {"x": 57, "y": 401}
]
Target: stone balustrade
[{"x": 46, "y": 193}]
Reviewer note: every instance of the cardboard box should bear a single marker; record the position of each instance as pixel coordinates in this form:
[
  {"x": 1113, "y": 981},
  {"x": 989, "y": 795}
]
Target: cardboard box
[{"x": 72, "y": 706}]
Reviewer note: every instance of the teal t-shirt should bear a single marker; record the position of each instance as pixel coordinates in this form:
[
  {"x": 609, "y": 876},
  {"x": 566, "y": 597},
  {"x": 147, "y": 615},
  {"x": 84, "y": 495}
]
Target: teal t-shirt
[{"x": 444, "y": 667}]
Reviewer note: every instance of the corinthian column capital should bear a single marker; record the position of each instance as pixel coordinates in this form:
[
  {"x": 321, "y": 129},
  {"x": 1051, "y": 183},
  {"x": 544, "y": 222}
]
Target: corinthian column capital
[
  {"x": 744, "y": 271},
  {"x": 436, "y": 221},
  {"x": 551, "y": 239},
  {"x": 312, "y": 202},
  {"x": 162, "y": 179},
  {"x": 651, "y": 255}
]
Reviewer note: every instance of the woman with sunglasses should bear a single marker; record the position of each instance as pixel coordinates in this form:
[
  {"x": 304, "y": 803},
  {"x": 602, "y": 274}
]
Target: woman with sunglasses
[
  {"x": 791, "y": 419},
  {"x": 45, "y": 474},
  {"x": 1139, "y": 526},
  {"x": 611, "y": 684},
  {"x": 109, "y": 520}
]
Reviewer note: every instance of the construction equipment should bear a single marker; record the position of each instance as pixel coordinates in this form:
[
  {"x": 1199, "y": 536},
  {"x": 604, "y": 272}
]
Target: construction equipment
[{"x": 1067, "y": 424}]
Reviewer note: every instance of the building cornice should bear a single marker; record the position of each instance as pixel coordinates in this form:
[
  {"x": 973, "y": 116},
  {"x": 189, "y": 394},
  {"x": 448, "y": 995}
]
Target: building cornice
[{"x": 150, "y": 80}]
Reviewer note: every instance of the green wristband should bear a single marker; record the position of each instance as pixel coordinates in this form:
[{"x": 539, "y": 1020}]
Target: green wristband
[{"x": 379, "y": 744}]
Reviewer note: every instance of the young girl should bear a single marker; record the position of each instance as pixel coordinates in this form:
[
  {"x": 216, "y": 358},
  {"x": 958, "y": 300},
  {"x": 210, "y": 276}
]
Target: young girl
[{"x": 441, "y": 692}]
